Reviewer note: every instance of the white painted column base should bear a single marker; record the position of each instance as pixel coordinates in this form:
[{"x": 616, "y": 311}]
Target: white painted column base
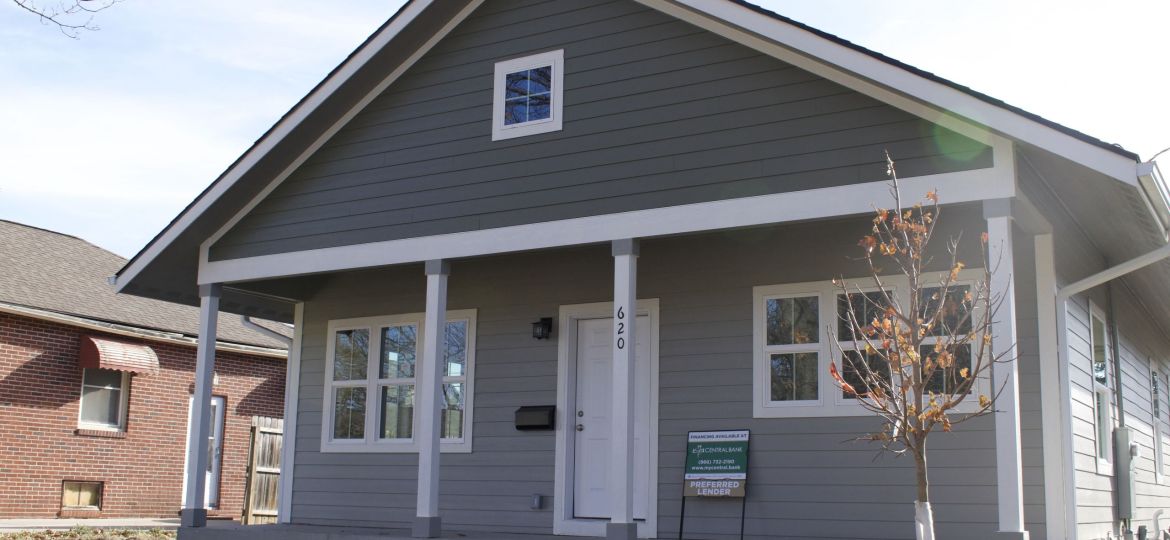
[
  {"x": 621, "y": 531},
  {"x": 194, "y": 513}
]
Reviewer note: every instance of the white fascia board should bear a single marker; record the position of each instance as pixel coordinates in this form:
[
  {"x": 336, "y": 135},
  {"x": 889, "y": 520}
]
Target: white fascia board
[
  {"x": 281, "y": 130},
  {"x": 890, "y": 84},
  {"x": 957, "y": 187}
]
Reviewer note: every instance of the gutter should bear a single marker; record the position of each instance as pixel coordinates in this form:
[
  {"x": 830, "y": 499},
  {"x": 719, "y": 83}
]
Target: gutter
[
  {"x": 1157, "y": 197},
  {"x": 135, "y": 332}
]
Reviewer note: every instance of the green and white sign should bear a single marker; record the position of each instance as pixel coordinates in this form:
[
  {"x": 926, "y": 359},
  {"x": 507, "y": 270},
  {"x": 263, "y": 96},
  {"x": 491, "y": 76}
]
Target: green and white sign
[{"x": 717, "y": 464}]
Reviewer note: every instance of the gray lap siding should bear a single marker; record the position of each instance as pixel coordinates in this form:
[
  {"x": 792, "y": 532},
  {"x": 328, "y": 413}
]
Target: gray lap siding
[
  {"x": 806, "y": 480},
  {"x": 658, "y": 113}
]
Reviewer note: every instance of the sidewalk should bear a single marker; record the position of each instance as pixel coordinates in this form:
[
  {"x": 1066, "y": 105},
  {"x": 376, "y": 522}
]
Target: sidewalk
[{"x": 22, "y": 525}]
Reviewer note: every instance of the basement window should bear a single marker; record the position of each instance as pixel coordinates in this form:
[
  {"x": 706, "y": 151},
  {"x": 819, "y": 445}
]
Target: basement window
[
  {"x": 528, "y": 95},
  {"x": 81, "y": 495}
]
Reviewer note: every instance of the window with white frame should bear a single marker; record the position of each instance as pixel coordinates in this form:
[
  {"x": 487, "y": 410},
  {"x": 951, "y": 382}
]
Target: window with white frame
[
  {"x": 528, "y": 95},
  {"x": 1163, "y": 430},
  {"x": 105, "y": 394},
  {"x": 1101, "y": 363},
  {"x": 370, "y": 384},
  {"x": 1156, "y": 418},
  {"x": 799, "y": 328}
]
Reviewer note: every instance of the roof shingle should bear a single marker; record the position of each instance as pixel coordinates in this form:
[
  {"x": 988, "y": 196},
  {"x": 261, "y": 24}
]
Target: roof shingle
[{"x": 56, "y": 272}]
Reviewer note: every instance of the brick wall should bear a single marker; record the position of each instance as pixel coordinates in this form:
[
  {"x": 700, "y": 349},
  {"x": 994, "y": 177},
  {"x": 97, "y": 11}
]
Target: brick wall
[{"x": 40, "y": 385}]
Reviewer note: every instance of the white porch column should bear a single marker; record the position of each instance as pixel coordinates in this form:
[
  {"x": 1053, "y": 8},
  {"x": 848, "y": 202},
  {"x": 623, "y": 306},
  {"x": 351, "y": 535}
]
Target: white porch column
[
  {"x": 427, "y": 523},
  {"x": 621, "y": 524},
  {"x": 1008, "y": 463},
  {"x": 194, "y": 512}
]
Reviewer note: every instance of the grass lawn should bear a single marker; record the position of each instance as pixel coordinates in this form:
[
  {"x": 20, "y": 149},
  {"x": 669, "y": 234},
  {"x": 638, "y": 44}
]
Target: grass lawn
[{"x": 90, "y": 533}]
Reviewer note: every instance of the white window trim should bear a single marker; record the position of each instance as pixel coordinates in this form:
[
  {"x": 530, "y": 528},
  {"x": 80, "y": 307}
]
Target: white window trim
[
  {"x": 123, "y": 406},
  {"x": 555, "y": 121},
  {"x": 764, "y": 407},
  {"x": 1104, "y": 463},
  {"x": 371, "y": 443},
  {"x": 1157, "y": 431}
]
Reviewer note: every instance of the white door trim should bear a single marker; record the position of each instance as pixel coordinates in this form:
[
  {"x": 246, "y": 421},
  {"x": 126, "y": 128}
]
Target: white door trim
[
  {"x": 218, "y": 426},
  {"x": 563, "y": 520}
]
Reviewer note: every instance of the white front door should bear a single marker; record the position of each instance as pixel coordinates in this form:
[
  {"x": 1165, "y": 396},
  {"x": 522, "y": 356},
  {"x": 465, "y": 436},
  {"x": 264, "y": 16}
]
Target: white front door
[
  {"x": 214, "y": 452},
  {"x": 592, "y": 451}
]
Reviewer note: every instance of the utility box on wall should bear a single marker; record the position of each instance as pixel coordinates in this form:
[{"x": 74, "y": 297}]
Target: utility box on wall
[{"x": 1125, "y": 454}]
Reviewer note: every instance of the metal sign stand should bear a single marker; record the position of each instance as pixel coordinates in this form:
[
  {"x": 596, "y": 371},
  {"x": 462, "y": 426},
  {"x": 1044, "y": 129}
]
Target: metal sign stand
[{"x": 682, "y": 513}]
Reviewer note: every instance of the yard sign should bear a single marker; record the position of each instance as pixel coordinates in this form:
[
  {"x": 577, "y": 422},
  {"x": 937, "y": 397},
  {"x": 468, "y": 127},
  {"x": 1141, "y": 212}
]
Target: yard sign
[{"x": 716, "y": 464}]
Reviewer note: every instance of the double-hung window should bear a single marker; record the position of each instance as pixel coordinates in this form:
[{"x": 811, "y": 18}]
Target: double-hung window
[
  {"x": 1101, "y": 363},
  {"x": 529, "y": 95},
  {"x": 371, "y": 381},
  {"x": 800, "y": 328},
  {"x": 1158, "y": 415},
  {"x": 105, "y": 394}
]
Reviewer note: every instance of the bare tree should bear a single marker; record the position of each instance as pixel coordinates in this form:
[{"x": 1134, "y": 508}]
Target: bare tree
[
  {"x": 71, "y": 17},
  {"x": 916, "y": 357}
]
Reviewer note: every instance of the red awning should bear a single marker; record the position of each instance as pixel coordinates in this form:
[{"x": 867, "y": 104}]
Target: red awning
[{"x": 100, "y": 352}]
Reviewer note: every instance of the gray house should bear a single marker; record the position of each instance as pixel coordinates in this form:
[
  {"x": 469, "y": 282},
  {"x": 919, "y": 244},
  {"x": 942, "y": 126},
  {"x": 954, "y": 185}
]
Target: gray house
[{"x": 598, "y": 201}]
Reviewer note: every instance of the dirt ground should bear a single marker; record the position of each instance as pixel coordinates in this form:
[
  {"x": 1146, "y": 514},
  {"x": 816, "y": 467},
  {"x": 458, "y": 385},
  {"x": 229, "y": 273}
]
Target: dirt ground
[{"x": 89, "y": 533}]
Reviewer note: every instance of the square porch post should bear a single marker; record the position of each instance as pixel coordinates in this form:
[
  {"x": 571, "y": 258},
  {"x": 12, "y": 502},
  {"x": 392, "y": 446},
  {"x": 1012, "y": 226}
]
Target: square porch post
[
  {"x": 194, "y": 512},
  {"x": 427, "y": 523},
  {"x": 621, "y": 525},
  {"x": 1005, "y": 376}
]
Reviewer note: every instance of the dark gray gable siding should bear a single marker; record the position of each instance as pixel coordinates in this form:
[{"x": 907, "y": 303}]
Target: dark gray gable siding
[{"x": 658, "y": 113}]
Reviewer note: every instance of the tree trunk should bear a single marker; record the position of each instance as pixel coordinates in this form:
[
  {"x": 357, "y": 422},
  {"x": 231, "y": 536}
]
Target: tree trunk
[{"x": 923, "y": 518}]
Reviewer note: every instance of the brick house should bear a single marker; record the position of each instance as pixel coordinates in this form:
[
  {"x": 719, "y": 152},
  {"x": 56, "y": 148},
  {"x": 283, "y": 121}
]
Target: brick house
[{"x": 95, "y": 388}]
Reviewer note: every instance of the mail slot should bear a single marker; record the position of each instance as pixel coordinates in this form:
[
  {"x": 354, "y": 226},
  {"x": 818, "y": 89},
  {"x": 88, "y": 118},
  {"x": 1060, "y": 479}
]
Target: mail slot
[{"x": 537, "y": 417}]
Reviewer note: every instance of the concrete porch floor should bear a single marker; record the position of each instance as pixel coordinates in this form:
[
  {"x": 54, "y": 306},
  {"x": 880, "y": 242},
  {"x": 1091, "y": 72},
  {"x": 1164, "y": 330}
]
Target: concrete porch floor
[{"x": 236, "y": 531}]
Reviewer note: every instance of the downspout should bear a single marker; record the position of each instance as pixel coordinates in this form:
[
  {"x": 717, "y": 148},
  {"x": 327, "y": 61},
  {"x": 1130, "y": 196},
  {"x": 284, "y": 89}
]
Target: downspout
[
  {"x": 1062, "y": 298},
  {"x": 250, "y": 324}
]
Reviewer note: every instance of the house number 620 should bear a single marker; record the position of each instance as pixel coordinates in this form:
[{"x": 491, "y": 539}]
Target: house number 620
[{"x": 621, "y": 328}]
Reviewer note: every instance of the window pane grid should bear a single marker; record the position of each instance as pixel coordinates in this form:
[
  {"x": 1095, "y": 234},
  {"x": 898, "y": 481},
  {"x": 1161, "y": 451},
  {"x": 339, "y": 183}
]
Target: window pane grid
[
  {"x": 389, "y": 394},
  {"x": 528, "y": 95}
]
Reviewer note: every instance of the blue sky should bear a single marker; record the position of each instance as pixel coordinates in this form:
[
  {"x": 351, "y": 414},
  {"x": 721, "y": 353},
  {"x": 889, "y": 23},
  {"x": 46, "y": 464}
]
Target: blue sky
[{"x": 109, "y": 136}]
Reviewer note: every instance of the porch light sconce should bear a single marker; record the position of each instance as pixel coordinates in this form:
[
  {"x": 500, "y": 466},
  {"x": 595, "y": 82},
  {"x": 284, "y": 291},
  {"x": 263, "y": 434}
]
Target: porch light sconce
[{"x": 542, "y": 329}]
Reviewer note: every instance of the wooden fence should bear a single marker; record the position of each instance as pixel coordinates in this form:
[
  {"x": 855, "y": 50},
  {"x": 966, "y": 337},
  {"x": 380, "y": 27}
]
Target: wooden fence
[{"x": 263, "y": 479}]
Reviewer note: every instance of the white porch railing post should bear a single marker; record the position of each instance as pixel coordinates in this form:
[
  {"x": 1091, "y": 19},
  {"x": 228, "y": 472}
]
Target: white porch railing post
[
  {"x": 1008, "y": 461},
  {"x": 427, "y": 523},
  {"x": 625, "y": 260},
  {"x": 194, "y": 512}
]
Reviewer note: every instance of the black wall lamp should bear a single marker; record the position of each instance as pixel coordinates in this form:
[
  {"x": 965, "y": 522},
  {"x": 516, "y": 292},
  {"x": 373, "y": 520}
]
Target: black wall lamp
[{"x": 542, "y": 329}]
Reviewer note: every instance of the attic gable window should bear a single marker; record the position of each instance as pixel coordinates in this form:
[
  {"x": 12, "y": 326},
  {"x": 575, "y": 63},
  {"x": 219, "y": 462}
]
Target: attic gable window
[{"x": 528, "y": 95}]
